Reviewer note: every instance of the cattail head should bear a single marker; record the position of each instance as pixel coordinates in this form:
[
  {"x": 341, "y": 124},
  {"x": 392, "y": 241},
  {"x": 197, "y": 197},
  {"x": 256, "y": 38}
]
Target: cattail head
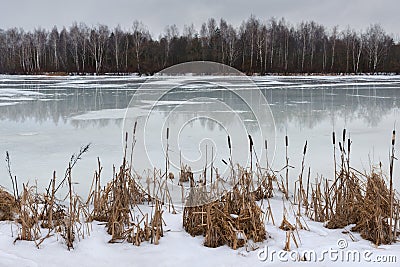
[
  {"x": 266, "y": 145},
  {"x": 344, "y": 136},
  {"x": 251, "y": 143},
  {"x": 134, "y": 127},
  {"x": 305, "y": 148},
  {"x": 348, "y": 145},
  {"x": 229, "y": 142},
  {"x": 167, "y": 133},
  {"x": 333, "y": 138},
  {"x": 393, "y": 137},
  {"x": 224, "y": 162},
  {"x": 126, "y": 137},
  {"x": 286, "y": 141}
]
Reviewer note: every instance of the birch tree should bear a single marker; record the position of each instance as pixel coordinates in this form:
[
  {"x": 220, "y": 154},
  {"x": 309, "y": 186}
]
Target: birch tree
[
  {"x": 377, "y": 45},
  {"x": 53, "y": 43},
  {"x": 97, "y": 45},
  {"x": 171, "y": 32},
  {"x": 139, "y": 36}
]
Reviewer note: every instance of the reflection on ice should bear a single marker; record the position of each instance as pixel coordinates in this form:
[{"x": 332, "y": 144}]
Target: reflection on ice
[{"x": 43, "y": 120}]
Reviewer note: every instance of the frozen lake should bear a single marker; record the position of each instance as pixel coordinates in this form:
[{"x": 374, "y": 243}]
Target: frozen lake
[{"x": 44, "y": 120}]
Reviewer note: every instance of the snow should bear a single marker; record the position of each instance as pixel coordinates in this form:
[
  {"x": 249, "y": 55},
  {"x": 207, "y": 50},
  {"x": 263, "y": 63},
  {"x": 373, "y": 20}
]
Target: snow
[{"x": 178, "y": 248}]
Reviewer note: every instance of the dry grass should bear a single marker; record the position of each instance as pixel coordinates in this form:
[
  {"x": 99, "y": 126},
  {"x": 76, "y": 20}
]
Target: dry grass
[
  {"x": 8, "y": 206},
  {"x": 232, "y": 220},
  {"x": 116, "y": 204},
  {"x": 362, "y": 199},
  {"x": 366, "y": 200}
]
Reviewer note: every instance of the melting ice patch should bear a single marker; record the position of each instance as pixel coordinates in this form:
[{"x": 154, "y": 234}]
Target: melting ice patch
[
  {"x": 17, "y": 92},
  {"x": 101, "y": 114},
  {"x": 8, "y": 104}
]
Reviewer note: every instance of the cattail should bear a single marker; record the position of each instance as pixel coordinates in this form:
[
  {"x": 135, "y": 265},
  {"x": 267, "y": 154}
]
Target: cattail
[
  {"x": 224, "y": 162},
  {"x": 344, "y": 135},
  {"x": 348, "y": 145},
  {"x": 134, "y": 128},
  {"x": 251, "y": 143},
  {"x": 266, "y": 145},
  {"x": 229, "y": 142},
  {"x": 126, "y": 137},
  {"x": 333, "y": 138},
  {"x": 286, "y": 141},
  {"x": 167, "y": 133},
  {"x": 393, "y": 137},
  {"x": 305, "y": 148}
]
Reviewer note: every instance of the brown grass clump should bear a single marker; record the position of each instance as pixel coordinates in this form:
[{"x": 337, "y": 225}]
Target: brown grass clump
[
  {"x": 8, "y": 206},
  {"x": 357, "y": 198},
  {"x": 347, "y": 199},
  {"x": 116, "y": 204},
  {"x": 232, "y": 220},
  {"x": 28, "y": 215},
  {"x": 374, "y": 211},
  {"x": 123, "y": 196},
  {"x": 38, "y": 211},
  {"x": 265, "y": 189},
  {"x": 368, "y": 208},
  {"x": 35, "y": 211},
  {"x": 186, "y": 174}
]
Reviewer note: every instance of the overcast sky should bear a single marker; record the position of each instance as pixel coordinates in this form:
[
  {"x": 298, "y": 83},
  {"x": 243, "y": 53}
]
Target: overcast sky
[{"x": 157, "y": 14}]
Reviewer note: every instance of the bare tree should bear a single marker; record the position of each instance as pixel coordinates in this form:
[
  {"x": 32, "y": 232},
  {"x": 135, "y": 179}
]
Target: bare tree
[
  {"x": 251, "y": 32},
  {"x": 347, "y": 36},
  {"x": 357, "y": 48},
  {"x": 84, "y": 35},
  {"x": 261, "y": 39},
  {"x": 223, "y": 29},
  {"x": 139, "y": 35},
  {"x": 304, "y": 33},
  {"x": 11, "y": 43},
  {"x": 74, "y": 37},
  {"x": 333, "y": 41},
  {"x": 377, "y": 45},
  {"x": 171, "y": 32},
  {"x": 273, "y": 25},
  {"x": 39, "y": 43},
  {"x": 97, "y": 44},
  {"x": 255, "y": 46},
  {"x": 116, "y": 43}
]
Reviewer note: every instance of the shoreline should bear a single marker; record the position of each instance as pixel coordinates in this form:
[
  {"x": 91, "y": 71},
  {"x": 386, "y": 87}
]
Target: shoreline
[{"x": 316, "y": 74}]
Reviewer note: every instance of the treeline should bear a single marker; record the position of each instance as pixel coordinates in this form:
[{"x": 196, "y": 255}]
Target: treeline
[{"x": 255, "y": 46}]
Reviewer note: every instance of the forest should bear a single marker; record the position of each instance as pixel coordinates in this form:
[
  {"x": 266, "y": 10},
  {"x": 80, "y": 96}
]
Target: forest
[{"x": 256, "y": 47}]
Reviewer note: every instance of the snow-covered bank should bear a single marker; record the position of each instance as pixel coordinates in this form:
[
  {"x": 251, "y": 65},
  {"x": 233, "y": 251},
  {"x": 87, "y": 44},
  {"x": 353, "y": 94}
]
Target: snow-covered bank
[{"x": 178, "y": 248}]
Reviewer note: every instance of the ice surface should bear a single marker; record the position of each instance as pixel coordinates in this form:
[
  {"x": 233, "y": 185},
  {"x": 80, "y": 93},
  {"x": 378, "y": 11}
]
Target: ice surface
[
  {"x": 68, "y": 112},
  {"x": 44, "y": 120}
]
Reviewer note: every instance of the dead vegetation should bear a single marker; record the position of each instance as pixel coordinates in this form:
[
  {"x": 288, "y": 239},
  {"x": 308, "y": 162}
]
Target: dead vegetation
[
  {"x": 117, "y": 203},
  {"x": 356, "y": 198},
  {"x": 42, "y": 215},
  {"x": 8, "y": 206},
  {"x": 233, "y": 217},
  {"x": 231, "y": 220}
]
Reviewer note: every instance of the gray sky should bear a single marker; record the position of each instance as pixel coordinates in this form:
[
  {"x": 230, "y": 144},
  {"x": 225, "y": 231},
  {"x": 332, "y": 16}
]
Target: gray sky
[{"x": 157, "y": 14}]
